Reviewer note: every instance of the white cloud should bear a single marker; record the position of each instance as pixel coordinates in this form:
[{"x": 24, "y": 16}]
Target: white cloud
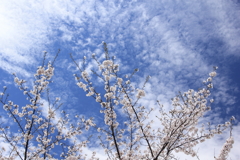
[
  {"x": 23, "y": 34},
  {"x": 212, "y": 147}
]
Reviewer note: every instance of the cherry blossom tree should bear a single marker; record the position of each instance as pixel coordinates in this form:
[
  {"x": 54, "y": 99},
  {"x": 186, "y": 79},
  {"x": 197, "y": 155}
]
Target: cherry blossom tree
[
  {"x": 39, "y": 128},
  {"x": 128, "y": 129}
]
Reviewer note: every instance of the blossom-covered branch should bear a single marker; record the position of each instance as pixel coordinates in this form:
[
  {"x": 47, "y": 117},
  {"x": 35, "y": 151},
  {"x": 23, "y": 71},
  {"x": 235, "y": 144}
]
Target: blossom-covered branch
[
  {"x": 127, "y": 134},
  {"x": 41, "y": 126}
]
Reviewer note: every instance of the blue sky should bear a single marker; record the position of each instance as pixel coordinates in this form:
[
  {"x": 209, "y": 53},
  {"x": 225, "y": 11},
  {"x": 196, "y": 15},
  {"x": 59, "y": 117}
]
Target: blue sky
[{"x": 176, "y": 42}]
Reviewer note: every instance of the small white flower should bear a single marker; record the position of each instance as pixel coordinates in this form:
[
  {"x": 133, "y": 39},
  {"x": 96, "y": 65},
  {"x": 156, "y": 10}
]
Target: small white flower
[
  {"x": 108, "y": 95},
  {"x": 116, "y": 102},
  {"x": 210, "y": 85},
  {"x": 107, "y": 63},
  {"x": 90, "y": 94},
  {"x": 119, "y": 81},
  {"x": 233, "y": 118},
  {"x": 213, "y": 74},
  {"x": 30, "y": 112},
  {"x": 85, "y": 75},
  {"x": 113, "y": 88},
  {"x": 209, "y": 79},
  {"x": 98, "y": 99},
  {"x": 140, "y": 93},
  {"x": 16, "y": 79}
]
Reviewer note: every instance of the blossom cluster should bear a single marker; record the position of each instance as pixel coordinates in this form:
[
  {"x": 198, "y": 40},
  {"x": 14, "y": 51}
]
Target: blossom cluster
[{"x": 226, "y": 149}]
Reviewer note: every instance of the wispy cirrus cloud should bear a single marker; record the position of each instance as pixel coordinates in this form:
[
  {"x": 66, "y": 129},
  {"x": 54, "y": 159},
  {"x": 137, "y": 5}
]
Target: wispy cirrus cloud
[{"x": 24, "y": 34}]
